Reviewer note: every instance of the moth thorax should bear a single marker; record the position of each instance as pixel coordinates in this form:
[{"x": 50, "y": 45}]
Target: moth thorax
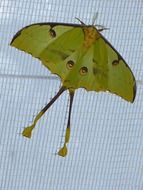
[{"x": 90, "y": 36}]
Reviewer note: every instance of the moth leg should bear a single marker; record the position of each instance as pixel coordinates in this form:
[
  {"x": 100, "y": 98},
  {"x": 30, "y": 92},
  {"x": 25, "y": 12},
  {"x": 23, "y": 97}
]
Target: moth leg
[
  {"x": 27, "y": 132},
  {"x": 63, "y": 151},
  {"x": 102, "y": 28}
]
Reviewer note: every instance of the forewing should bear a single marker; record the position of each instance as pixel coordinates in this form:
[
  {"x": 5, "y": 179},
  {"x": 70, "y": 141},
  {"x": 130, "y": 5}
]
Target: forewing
[{"x": 54, "y": 44}]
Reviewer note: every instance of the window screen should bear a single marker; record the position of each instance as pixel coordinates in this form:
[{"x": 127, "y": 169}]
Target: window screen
[{"x": 105, "y": 151}]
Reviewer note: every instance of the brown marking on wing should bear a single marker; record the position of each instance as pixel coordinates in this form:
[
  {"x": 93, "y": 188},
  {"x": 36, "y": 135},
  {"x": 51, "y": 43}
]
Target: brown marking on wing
[
  {"x": 83, "y": 70},
  {"x": 115, "y": 62},
  {"x": 52, "y": 33},
  {"x": 70, "y": 64}
]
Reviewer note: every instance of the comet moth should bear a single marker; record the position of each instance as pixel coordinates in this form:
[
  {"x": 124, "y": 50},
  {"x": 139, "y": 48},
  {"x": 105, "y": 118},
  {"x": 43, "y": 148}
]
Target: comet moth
[{"x": 82, "y": 58}]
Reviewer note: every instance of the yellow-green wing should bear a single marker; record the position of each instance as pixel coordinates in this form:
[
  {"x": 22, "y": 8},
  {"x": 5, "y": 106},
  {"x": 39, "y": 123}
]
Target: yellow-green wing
[
  {"x": 53, "y": 43},
  {"x": 108, "y": 71},
  {"x": 120, "y": 79},
  {"x": 61, "y": 48},
  {"x": 101, "y": 68}
]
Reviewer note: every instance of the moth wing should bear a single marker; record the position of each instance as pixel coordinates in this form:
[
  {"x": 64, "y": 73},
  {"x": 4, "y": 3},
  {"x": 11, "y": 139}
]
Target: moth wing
[
  {"x": 112, "y": 72},
  {"x": 54, "y": 44}
]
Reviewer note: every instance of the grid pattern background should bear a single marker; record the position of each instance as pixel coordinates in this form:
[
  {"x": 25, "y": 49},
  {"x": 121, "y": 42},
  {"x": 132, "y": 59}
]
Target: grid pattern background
[{"x": 106, "y": 145}]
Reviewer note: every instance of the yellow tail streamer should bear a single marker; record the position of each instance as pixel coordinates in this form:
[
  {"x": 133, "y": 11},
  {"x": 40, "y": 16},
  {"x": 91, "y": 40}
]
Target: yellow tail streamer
[
  {"x": 63, "y": 151},
  {"x": 27, "y": 132}
]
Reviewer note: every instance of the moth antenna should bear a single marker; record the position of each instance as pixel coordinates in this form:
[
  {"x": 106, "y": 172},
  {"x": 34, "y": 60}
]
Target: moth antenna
[
  {"x": 103, "y": 28},
  {"x": 94, "y": 18},
  {"x": 27, "y": 132},
  {"x": 80, "y": 21}
]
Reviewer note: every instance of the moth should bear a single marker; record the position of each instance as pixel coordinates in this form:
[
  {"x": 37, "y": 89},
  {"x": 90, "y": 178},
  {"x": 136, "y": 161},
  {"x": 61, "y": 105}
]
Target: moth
[{"x": 82, "y": 58}]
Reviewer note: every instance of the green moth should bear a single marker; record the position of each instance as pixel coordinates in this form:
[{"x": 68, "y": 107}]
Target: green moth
[{"x": 81, "y": 57}]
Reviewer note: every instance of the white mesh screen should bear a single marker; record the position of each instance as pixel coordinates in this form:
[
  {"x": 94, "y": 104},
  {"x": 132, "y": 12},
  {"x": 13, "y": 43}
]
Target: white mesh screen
[{"x": 106, "y": 145}]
